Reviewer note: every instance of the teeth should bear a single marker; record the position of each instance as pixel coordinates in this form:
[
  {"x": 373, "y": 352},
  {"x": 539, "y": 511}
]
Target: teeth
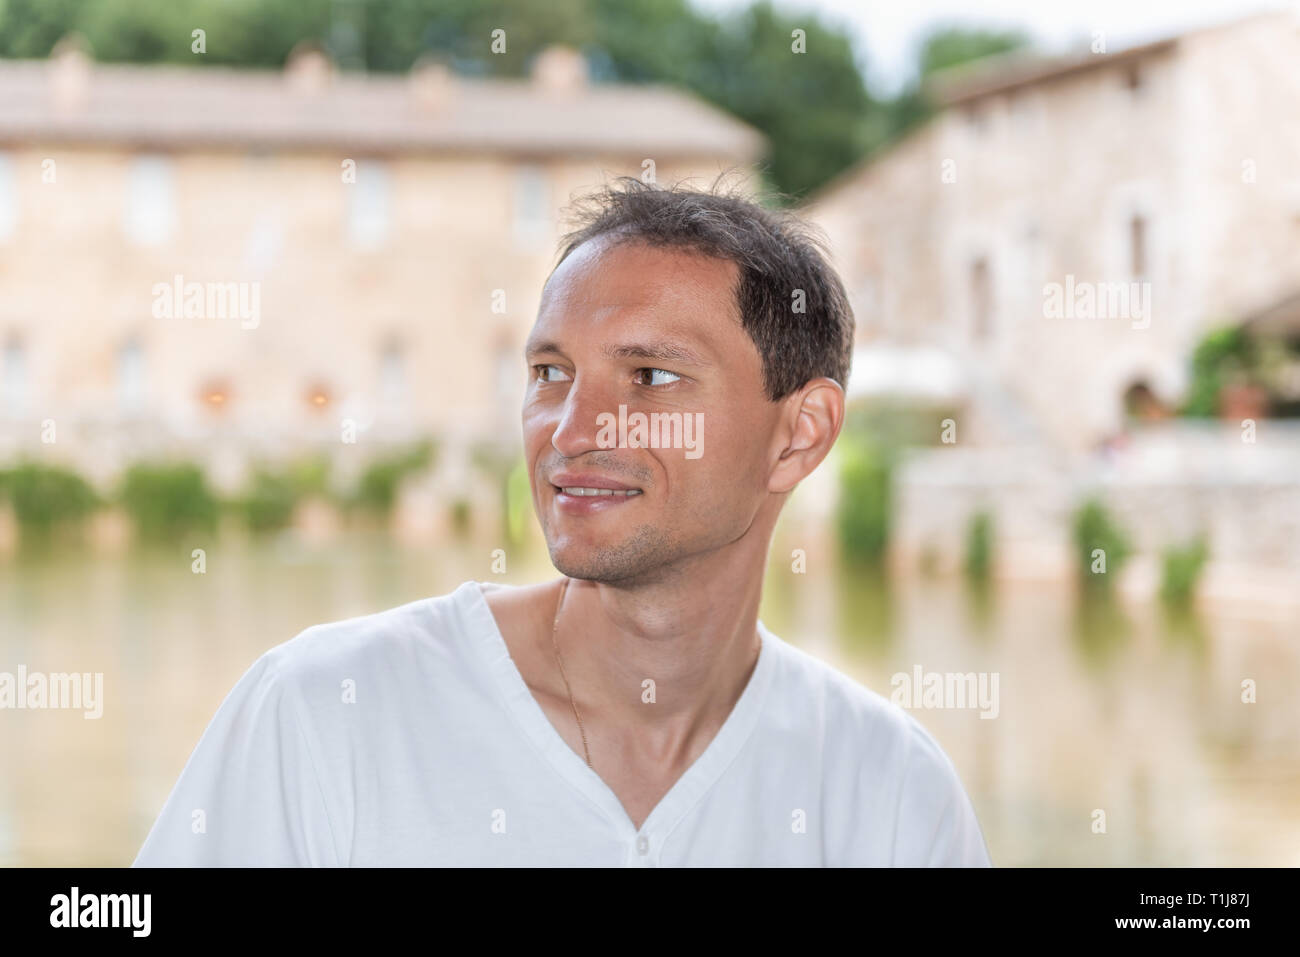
[{"x": 582, "y": 490}]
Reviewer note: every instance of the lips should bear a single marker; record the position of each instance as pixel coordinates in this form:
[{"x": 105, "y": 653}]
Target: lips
[
  {"x": 584, "y": 493},
  {"x": 591, "y": 481},
  {"x": 580, "y": 490}
]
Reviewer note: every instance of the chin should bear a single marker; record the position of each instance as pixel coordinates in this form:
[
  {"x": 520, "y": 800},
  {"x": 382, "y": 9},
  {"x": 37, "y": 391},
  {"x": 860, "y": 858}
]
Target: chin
[
  {"x": 607, "y": 562},
  {"x": 583, "y": 563}
]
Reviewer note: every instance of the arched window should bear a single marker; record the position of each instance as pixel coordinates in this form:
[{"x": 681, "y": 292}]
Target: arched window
[{"x": 1141, "y": 404}]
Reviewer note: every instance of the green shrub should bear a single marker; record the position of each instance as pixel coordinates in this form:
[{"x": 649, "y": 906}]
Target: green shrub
[
  {"x": 897, "y": 424},
  {"x": 377, "y": 488},
  {"x": 1095, "y": 529},
  {"x": 518, "y": 493},
  {"x": 1181, "y": 567},
  {"x": 46, "y": 496},
  {"x": 979, "y": 546},
  {"x": 269, "y": 502},
  {"x": 167, "y": 500},
  {"x": 461, "y": 514},
  {"x": 1222, "y": 352},
  {"x": 272, "y": 495},
  {"x": 863, "y": 515}
]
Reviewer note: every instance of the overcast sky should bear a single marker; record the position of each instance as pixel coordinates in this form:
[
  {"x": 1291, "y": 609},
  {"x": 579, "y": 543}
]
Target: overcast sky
[{"x": 886, "y": 32}]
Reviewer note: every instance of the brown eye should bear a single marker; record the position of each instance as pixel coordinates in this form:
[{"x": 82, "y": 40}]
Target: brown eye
[
  {"x": 542, "y": 373},
  {"x": 656, "y": 377}
]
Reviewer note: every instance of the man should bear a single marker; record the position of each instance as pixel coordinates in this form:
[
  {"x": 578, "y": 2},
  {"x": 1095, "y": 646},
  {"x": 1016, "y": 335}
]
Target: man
[{"x": 635, "y": 712}]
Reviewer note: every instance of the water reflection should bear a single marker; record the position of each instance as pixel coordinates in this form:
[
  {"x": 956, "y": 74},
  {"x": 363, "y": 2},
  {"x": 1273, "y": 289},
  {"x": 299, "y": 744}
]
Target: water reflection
[
  {"x": 866, "y": 609},
  {"x": 981, "y": 608},
  {"x": 1184, "y": 628},
  {"x": 1101, "y": 626},
  {"x": 1133, "y": 711}
]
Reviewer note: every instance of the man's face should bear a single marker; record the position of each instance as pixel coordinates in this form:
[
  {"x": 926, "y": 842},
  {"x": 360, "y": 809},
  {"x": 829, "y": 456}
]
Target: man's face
[{"x": 655, "y": 330}]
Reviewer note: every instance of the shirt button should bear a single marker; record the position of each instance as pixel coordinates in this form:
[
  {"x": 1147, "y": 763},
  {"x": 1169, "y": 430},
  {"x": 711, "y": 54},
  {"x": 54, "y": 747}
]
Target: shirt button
[{"x": 642, "y": 844}]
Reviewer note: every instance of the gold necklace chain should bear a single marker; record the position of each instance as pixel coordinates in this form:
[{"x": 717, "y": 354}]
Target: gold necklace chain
[{"x": 559, "y": 602}]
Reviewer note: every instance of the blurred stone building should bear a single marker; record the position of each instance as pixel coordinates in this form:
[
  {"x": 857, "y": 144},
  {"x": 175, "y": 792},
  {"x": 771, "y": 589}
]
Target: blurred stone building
[
  {"x": 352, "y": 252},
  {"x": 1045, "y": 254}
]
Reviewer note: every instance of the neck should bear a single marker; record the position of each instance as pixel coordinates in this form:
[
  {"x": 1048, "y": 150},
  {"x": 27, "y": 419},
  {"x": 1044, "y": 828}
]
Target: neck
[{"x": 692, "y": 631}]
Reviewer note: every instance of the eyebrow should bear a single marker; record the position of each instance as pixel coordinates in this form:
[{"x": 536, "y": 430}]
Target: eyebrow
[{"x": 649, "y": 351}]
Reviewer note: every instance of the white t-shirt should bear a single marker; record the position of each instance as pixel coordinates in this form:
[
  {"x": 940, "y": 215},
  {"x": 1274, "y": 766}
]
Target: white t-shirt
[{"x": 409, "y": 738}]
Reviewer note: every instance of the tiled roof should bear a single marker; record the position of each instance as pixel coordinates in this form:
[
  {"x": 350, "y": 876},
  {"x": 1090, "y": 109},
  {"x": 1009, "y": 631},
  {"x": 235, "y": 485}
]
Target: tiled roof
[
  {"x": 71, "y": 99},
  {"x": 1011, "y": 71}
]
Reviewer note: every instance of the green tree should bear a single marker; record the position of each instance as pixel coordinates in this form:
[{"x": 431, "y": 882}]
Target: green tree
[
  {"x": 950, "y": 46},
  {"x": 941, "y": 49},
  {"x": 30, "y": 28}
]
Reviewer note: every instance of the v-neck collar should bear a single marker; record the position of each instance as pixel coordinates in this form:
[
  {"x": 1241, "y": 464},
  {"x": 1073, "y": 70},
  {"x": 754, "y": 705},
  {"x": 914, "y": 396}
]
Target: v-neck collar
[{"x": 693, "y": 784}]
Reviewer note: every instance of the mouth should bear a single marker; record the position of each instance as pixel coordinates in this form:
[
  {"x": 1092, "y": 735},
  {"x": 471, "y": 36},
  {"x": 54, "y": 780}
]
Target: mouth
[
  {"x": 586, "y": 494},
  {"x": 581, "y": 490}
]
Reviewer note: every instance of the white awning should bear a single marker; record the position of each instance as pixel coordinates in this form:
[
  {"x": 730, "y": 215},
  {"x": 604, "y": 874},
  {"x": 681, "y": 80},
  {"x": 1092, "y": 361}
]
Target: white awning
[{"x": 923, "y": 373}]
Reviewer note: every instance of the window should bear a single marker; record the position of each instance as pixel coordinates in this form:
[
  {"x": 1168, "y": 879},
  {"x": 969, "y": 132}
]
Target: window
[
  {"x": 8, "y": 198},
  {"x": 505, "y": 359},
  {"x": 368, "y": 206},
  {"x": 981, "y": 292},
  {"x": 1141, "y": 404},
  {"x": 1035, "y": 267},
  {"x": 13, "y": 376},
  {"x": 868, "y": 300},
  {"x": 150, "y": 205},
  {"x": 392, "y": 373},
  {"x": 1138, "y": 246},
  {"x": 130, "y": 376},
  {"x": 1133, "y": 79},
  {"x": 265, "y": 239},
  {"x": 532, "y": 205},
  {"x": 1026, "y": 107}
]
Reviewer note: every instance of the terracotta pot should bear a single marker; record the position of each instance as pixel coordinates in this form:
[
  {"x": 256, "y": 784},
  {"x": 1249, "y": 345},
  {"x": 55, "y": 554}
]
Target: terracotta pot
[{"x": 1237, "y": 402}]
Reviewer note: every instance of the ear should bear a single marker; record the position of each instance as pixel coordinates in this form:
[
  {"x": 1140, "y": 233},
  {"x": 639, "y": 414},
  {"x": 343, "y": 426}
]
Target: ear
[{"x": 810, "y": 423}]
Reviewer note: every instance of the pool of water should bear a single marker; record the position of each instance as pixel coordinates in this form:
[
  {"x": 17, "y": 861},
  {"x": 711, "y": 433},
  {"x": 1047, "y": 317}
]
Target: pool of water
[{"x": 1102, "y": 708}]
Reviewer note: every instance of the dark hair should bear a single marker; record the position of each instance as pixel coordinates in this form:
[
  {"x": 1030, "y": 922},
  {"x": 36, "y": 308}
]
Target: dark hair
[{"x": 776, "y": 252}]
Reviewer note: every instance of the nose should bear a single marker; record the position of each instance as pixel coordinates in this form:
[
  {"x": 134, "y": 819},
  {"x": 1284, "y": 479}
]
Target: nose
[{"x": 576, "y": 432}]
